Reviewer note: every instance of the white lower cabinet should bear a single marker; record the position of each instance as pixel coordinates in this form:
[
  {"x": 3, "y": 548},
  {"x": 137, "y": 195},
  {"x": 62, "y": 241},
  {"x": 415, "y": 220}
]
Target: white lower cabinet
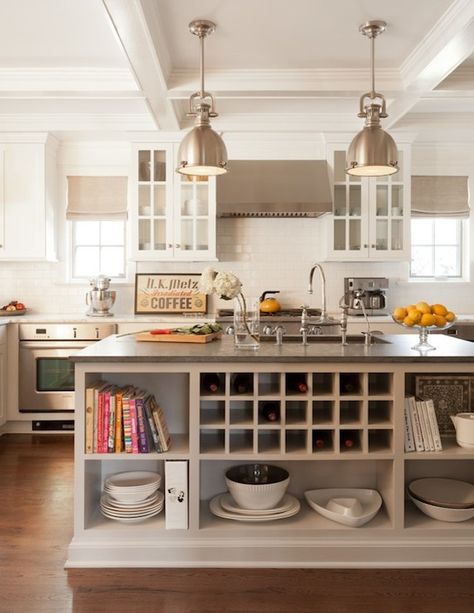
[{"x": 212, "y": 431}]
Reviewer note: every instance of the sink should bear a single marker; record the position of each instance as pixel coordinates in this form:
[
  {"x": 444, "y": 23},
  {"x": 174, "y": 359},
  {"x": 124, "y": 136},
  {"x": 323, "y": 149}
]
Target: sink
[{"x": 351, "y": 339}]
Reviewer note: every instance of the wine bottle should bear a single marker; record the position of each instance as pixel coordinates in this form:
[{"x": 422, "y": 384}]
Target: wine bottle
[
  {"x": 348, "y": 439},
  {"x": 242, "y": 383},
  {"x": 296, "y": 382},
  {"x": 270, "y": 411},
  {"x": 211, "y": 382},
  {"x": 349, "y": 383},
  {"x": 319, "y": 442}
]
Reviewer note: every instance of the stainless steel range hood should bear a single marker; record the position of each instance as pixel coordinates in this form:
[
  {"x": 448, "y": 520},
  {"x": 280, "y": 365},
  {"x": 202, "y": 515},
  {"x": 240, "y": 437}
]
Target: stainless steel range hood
[{"x": 274, "y": 188}]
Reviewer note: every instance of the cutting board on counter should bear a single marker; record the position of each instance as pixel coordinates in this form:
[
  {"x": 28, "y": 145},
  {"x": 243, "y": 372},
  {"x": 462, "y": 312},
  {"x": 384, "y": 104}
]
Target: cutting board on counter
[{"x": 178, "y": 338}]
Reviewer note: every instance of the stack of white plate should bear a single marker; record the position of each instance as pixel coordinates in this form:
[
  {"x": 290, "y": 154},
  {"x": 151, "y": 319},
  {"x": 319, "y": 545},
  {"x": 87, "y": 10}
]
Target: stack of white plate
[
  {"x": 132, "y": 496},
  {"x": 223, "y": 505},
  {"x": 443, "y": 499}
]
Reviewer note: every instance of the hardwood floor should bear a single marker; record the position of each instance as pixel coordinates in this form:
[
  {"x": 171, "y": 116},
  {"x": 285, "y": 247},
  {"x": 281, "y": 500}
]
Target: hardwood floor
[{"x": 36, "y": 526}]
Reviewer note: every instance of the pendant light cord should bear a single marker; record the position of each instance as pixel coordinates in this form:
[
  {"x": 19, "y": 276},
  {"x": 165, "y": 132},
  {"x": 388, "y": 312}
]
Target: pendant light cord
[
  {"x": 203, "y": 91},
  {"x": 372, "y": 62}
]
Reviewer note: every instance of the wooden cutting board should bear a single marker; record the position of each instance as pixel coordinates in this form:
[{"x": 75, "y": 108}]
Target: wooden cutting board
[{"x": 178, "y": 338}]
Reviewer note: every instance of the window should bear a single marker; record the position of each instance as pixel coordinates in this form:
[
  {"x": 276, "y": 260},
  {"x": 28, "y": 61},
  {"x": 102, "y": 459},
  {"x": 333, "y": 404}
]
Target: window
[
  {"x": 437, "y": 245},
  {"x": 98, "y": 247}
]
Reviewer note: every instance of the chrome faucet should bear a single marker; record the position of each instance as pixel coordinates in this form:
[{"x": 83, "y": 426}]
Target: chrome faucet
[
  {"x": 304, "y": 324},
  {"x": 279, "y": 332},
  {"x": 359, "y": 294},
  {"x": 343, "y": 322},
  {"x": 324, "y": 315}
]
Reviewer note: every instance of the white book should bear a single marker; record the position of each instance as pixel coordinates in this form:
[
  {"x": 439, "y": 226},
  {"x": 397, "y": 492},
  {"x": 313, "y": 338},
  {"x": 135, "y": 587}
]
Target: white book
[
  {"x": 176, "y": 494},
  {"x": 415, "y": 420},
  {"x": 434, "y": 425},
  {"x": 425, "y": 426},
  {"x": 409, "y": 437}
]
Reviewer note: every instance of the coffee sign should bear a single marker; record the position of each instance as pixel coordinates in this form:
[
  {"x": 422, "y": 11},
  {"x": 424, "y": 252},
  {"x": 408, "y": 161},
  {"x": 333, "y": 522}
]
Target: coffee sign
[{"x": 173, "y": 293}]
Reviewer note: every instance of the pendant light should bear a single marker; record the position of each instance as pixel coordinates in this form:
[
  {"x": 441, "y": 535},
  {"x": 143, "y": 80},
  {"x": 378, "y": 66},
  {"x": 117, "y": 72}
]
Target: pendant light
[
  {"x": 202, "y": 151},
  {"x": 373, "y": 152}
]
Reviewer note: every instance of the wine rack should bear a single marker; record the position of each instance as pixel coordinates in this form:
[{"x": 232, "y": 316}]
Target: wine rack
[{"x": 304, "y": 413}]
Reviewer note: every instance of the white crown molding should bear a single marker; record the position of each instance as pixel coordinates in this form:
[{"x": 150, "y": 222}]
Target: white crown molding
[
  {"x": 183, "y": 81},
  {"x": 54, "y": 122},
  {"x": 66, "y": 79}
]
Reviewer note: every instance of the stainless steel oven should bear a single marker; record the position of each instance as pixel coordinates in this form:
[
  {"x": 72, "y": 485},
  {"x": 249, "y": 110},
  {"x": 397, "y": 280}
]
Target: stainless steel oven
[{"x": 46, "y": 375}]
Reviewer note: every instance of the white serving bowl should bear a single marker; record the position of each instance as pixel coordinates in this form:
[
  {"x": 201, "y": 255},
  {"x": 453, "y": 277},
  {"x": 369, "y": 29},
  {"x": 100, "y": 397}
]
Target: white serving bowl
[
  {"x": 443, "y": 513},
  {"x": 257, "y": 486},
  {"x": 349, "y": 506}
]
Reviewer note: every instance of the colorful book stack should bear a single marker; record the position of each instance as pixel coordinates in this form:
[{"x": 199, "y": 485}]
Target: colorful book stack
[
  {"x": 124, "y": 419},
  {"x": 421, "y": 426}
]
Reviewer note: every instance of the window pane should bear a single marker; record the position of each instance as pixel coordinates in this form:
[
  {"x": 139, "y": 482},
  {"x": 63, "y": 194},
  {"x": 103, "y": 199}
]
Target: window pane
[
  {"x": 446, "y": 231},
  {"x": 422, "y": 262},
  {"x": 447, "y": 262},
  {"x": 86, "y": 232},
  {"x": 86, "y": 261},
  {"x": 422, "y": 231},
  {"x": 112, "y": 261},
  {"x": 112, "y": 232}
]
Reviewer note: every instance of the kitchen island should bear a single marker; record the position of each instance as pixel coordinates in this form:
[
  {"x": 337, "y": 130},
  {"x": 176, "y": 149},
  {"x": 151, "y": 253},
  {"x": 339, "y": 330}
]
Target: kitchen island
[{"x": 212, "y": 431}]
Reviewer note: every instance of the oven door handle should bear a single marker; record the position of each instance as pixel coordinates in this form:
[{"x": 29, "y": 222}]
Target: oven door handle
[{"x": 75, "y": 345}]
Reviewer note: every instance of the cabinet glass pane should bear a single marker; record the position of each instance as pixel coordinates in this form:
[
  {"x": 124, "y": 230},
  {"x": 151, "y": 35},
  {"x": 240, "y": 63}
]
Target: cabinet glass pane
[
  {"x": 202, "y": 235},
  {"x": 159, "y": 227},
  {"x": 144, "y": 166},
  {"x": 159, "y": 165},
  {"x": 381, "y": 236},
  {"x": 354, "y": 234},
  {"x": 382, "y": 200},
  {"x": 339, "y": 234},
  {"x": 339, "y": 166},
  {"x": 187, "y": 242},
  {"x": 144, "y": 235},
  {"x": 397, "y": 200},
  {"x": 354, "y": 200},
  {"x": 159, "y": 198},
  {"x": 144, "y": 200},
  {"x": 397, "y": 235},
  {"x": 340, "y": 200},
  {"x": 194, "y": 199}
]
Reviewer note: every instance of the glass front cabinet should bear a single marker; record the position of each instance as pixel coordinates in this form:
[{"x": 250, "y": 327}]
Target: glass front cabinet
[
  {"x": 173, "y": 216},
  {"x": 371, "y": 215}
]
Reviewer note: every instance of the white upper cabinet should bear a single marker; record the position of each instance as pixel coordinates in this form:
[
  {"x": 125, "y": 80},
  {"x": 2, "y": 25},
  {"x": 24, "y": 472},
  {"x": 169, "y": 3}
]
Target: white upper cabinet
[
  {"x": 371, "y": 215},
  {"x": 28, "y": 191},
  {"x": 172, "y": 217}
]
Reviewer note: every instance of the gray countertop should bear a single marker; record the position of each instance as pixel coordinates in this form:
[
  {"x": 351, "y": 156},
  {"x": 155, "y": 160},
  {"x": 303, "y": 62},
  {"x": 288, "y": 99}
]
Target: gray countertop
[{"x": 399, "y": 349}]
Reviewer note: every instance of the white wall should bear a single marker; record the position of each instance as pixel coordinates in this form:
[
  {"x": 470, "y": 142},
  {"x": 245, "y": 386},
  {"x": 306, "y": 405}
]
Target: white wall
[{"x": 264, "y": 253}]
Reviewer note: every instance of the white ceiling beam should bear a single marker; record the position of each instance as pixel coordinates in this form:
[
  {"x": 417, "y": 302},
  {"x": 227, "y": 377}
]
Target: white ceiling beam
[
  {"x": 448, "y": 44},
  {"x": 137, "y": 28}
]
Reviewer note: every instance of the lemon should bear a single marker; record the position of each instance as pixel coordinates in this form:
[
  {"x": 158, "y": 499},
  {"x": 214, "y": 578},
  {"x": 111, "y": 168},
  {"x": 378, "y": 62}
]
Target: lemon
[
  {"x": 427, "y": 319},
  {"x": 400, "y": 313},
  {"x": 408, "y": 321},
  {"x": 450, "y": 316},
  {"x": 415, "y": 316},
  {"x": 439, "y": 309},
  {"x": 424, "y": 307},
  {"x": 440, "y": 321}
]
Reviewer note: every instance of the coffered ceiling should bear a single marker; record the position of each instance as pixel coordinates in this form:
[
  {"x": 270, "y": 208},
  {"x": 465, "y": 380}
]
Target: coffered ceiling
[{"x": 109, "y": 67}]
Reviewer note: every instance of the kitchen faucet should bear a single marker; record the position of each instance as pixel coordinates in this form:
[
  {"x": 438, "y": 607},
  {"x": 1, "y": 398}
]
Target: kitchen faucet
[{"x": 324, "y": 316}]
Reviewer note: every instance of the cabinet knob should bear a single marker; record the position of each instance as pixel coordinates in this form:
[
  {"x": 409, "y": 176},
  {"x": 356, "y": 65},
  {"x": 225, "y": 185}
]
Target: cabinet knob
[
  {"x": 365, "y": 245},
  {"x": 170, "y": 245},
  {"x": 177, "y": 245},
  {"x": 373, "y": 246}
]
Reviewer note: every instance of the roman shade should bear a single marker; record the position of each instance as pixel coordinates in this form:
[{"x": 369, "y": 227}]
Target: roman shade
[
  {"x": 93, "y": 198},
  {"x": 439, "y": 196}
]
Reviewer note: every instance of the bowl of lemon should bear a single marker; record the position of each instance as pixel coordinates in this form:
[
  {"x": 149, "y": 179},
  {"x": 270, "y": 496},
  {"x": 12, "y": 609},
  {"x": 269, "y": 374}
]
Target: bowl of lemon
[{"x": 424, "y": 318}]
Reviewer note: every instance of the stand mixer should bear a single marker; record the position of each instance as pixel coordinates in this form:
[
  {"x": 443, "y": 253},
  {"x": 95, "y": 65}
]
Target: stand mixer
[{"x": 100, "y": 298}]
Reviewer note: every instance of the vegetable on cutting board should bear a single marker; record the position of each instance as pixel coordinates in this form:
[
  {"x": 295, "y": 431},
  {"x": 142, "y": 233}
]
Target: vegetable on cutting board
[{"x": 209, "y": 328}]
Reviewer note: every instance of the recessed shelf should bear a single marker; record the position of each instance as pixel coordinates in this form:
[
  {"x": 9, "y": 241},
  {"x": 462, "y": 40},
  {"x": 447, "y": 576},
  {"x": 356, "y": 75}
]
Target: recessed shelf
[
  {"x": 350, "y": 383},
  {"x": 295, "y": 441},
  {"x": 380, "y": 383},
  {"x": 212, "y": 412},
  {"x": 212, "y": 441},
  {"x": 323, "y": 412},
  {"x": 295, "y": 412},
  {"x": 241, "y": 441},
  {"x": 268, "y": 383},
  {"x": 241, "y": 412},
  {"x": 323, "y": 383},
  {"x": 380, "y": 440},
  {"x": 380, "y": 412},
  {"x": 350, "y": 412},
  {"x": 269, "y": 441}
]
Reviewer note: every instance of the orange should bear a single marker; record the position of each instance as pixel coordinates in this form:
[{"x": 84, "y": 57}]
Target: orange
[
  {"x": 415, "y": 316},
  {"x": 427, "y": 319},
  {"x": 439, "y": 309},
  {"x": 422, "y": 306},
  {"x": 450, "y": 316},
  {"x": 411, "y": 307},
  {"x": 408, "y": 321},
  {"x": 440, "y": 321},
  {"x": 400, "y": 313}
]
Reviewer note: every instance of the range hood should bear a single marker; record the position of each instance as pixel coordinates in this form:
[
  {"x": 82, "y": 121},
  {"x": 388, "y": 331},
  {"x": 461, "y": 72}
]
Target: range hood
[{"x": 274, "y": 188}]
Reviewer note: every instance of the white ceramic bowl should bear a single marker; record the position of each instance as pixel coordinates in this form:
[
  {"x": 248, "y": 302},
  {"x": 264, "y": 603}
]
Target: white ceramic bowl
[
  {"x": 257, "y": 486},
  {"x": 443, "y": 513},
  {"x": 349, "y": 506}
]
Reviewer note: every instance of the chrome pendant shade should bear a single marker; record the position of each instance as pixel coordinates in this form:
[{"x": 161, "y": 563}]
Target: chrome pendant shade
[
  {"x": 202, "y": 151},
  {"x": 372, "y": 152}
]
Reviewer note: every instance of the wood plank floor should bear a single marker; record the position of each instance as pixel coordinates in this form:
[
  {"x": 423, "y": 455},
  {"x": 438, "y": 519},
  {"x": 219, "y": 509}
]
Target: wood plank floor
[{"x": 36, "y": 526}]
